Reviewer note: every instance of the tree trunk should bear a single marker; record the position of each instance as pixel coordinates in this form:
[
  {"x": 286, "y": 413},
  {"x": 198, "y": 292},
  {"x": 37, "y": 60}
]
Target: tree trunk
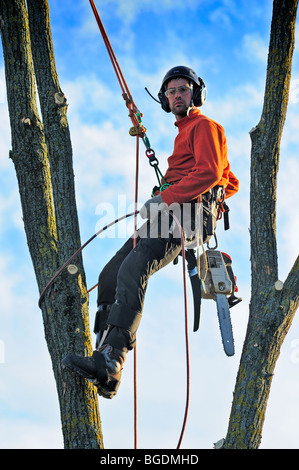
[
  {"x": 42, "y": 155},
  {"x": 272, "y": 305}
]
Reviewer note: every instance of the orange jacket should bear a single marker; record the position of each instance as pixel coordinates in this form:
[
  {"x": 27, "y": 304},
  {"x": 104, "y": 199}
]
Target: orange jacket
[{"x": 199, "y": 160}]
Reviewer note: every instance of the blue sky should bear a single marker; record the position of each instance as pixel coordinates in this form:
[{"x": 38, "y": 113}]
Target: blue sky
[{"x": 226, "y": 42}]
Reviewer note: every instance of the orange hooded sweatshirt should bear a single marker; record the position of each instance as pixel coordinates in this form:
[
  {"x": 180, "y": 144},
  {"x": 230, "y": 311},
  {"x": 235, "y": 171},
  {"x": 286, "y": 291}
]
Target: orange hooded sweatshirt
[{"x": 199, "y": 160}]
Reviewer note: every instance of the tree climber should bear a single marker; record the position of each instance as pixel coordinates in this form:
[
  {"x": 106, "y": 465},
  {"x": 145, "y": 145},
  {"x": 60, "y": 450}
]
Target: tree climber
[{"x": 197, "y": 169}]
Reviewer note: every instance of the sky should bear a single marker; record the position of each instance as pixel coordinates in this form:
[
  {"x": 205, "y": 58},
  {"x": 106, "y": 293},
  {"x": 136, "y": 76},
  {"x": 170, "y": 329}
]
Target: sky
[{"x": 226, "y": 43}]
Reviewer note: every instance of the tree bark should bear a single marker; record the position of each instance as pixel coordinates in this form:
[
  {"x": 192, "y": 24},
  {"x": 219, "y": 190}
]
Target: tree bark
[
  {"x": 42, "y": 156},
  {"x": 271, "y": 309}
]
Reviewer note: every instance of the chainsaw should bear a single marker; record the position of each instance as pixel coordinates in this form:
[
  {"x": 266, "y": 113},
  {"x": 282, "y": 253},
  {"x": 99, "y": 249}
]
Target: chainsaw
[{"x": 215, "y": 281}]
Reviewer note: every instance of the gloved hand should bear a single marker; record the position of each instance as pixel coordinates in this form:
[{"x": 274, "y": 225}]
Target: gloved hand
[{"x": 152, "y": 207}]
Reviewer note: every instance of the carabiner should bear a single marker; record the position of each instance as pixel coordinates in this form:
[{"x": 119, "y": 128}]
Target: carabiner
[{"x": 150, "y": 153}]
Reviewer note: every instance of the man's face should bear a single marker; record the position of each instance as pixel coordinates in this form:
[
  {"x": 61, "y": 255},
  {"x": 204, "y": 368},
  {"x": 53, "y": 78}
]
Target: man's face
[{"x": 179, "y": 98}]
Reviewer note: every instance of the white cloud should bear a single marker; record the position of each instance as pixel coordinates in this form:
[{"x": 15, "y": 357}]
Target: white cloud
[
  {"x": 105, "y": 159},
  {"x": 254, "y": 48},
  {"x": 88, "y": 95}
]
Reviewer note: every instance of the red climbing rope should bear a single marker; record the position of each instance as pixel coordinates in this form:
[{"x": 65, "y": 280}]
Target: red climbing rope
[{"x": 123, "y": 84}]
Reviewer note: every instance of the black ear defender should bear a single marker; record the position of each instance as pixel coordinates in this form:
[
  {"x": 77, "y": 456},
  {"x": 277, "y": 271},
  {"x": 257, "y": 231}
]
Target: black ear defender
[
  {"x": 200, "y": 93},
  {"x": 199, "y": 88}
]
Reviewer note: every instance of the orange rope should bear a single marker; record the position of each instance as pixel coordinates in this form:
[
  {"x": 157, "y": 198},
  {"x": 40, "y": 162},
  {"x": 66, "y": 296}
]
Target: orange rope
[{"x": 123, "y": 84}]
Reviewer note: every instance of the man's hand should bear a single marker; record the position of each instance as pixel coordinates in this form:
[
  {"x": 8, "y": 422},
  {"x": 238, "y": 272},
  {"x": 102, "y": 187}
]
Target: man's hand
[{"x": 152, "y": 207}]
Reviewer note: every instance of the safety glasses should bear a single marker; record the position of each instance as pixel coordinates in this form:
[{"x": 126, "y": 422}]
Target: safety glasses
[{"x": 183, "y": 90}]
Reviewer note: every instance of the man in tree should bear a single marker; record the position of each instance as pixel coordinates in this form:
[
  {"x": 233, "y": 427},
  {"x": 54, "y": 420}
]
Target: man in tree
[{"x": 198, "y": 171}]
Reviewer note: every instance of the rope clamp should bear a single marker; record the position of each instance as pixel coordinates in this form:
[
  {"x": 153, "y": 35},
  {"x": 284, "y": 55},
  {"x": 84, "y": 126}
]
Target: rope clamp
[{"x": 139, "y": 130}]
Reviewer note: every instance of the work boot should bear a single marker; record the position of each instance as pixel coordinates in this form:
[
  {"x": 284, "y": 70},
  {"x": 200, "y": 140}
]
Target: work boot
[{"x": 103, "y": 368}]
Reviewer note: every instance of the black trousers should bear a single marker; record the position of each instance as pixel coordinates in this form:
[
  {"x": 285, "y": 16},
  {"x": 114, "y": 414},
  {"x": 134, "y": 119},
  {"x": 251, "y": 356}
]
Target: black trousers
[{"x": 123, "y": 282}]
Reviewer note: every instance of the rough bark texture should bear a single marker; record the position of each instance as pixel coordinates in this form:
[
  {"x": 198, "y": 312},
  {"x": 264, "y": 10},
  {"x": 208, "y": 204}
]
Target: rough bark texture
[
  {"x": 42, "y": 155},
  {"x": 271, "y": 310}
]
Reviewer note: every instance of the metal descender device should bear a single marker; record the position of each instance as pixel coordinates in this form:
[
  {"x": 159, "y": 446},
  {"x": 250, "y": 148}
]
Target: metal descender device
[{"x": 215, "y": 281}]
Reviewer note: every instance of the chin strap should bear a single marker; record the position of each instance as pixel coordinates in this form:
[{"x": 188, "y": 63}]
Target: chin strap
[{"x": 190, "y": 108}]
